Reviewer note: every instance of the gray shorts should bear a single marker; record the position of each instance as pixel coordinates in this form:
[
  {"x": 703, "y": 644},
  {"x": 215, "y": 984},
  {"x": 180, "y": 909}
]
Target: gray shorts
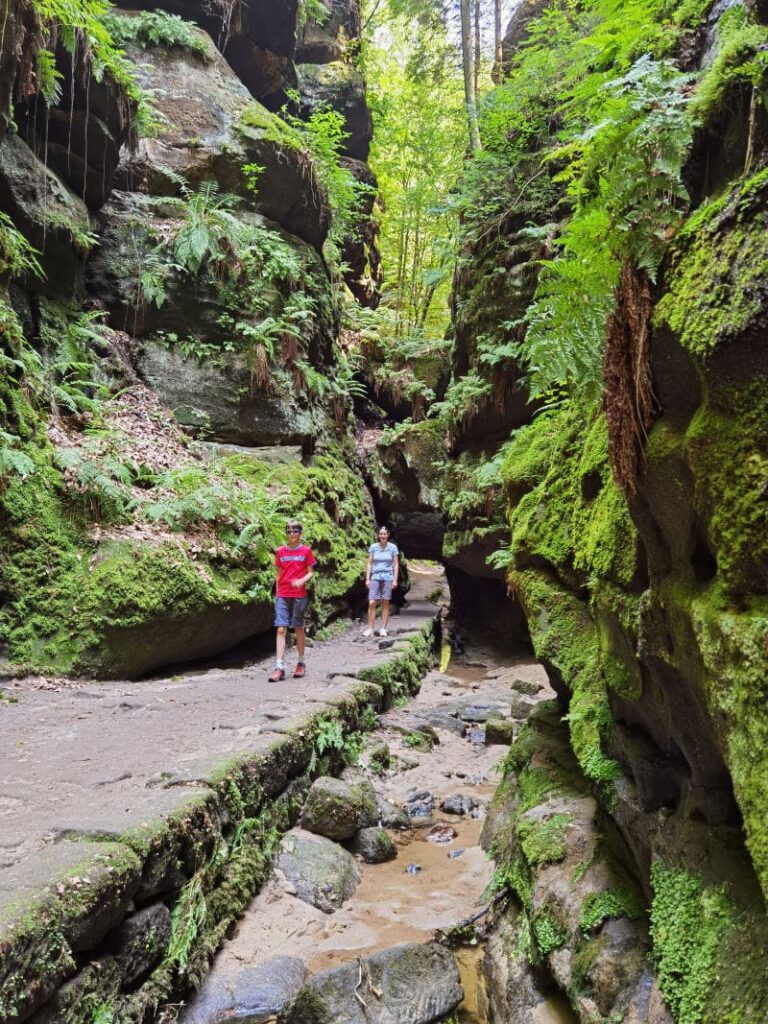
[
  {"x": 380, "y": 590},
  {"x": 289, "y": 611}
]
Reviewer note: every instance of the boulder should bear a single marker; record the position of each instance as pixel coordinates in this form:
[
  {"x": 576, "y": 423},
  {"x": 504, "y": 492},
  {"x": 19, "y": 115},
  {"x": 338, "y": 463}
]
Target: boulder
[
  {"x": 374, "y": 845},
  {"x": 212, "y": 129},
  {"x": 47, "y": 213},
  {"x": 332, "y": 809},
  {"x": 410, "y": 984},
  {"x": 252, "y": 995},
  {"x": 323, "y": 873},
  {"x": 341, "y": 87},
  {"x": 327, "y": 40},
  {"x": 337, "y": 809},
  {"x": 220, "y": 402}
]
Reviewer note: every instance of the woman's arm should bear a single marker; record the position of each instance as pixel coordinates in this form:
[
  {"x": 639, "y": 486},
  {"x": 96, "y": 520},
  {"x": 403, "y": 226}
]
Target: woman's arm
[
  {"x": 396, "y": 568},
  {"x": 368, "y": 570}
]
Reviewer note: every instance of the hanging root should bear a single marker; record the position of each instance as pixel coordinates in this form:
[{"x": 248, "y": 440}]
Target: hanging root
[{"x": 628, "y": 395}]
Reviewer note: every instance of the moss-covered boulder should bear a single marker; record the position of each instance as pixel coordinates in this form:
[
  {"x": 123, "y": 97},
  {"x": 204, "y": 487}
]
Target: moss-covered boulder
[{"x": 338, "y": 809}]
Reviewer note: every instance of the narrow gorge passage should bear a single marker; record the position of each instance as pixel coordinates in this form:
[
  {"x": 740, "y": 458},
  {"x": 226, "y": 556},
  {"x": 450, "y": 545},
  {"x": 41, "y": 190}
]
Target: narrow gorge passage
[{"x": 491, "y": 273}]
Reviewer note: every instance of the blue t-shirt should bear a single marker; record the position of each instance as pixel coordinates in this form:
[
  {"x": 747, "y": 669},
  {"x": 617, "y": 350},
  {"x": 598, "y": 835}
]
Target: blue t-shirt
[{"x": 383, "y": 567}]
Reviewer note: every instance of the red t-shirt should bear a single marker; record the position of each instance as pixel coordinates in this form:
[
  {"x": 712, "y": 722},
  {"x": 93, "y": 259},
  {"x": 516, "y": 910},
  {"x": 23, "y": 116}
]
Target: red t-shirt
[{"x": 292, "y": 564}]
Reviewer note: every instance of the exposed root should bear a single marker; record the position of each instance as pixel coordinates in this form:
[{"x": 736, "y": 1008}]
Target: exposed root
[{"x": 628, "y": 396}]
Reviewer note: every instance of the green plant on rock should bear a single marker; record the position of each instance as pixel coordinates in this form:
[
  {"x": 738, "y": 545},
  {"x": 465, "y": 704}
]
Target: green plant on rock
[
  {"x": 543, "y": 841},
  {"x": 688, "y": 922},
  {"x": 80, "y": 27},
  {"x": 624, "y": 901},
  {"x": 17, "y": 256},
  {"x": 158, "y": 28}
]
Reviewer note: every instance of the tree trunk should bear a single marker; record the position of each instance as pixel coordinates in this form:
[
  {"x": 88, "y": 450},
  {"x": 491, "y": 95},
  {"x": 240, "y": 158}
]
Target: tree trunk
[
  {"x": 478, "y": 53},
  {"x": 498, "y": 53},
  {"x": 467, "y": 59}
]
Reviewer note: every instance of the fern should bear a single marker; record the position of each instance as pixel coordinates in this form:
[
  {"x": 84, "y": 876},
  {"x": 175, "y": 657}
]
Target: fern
[
  {"x": 12, "y": 461},
  {"x": 17, "y": 256},
  {"x": 157, "y": 28}
]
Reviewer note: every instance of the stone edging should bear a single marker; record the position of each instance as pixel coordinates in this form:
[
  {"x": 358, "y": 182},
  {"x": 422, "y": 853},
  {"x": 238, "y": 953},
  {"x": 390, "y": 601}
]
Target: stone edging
[{"x": 113, "y": 928}]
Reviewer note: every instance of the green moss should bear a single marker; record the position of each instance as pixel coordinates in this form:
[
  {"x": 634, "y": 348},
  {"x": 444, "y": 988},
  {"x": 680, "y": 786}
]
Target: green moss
[
  {"x": 625, "y": 901},
  {"x": 717, "y": 265},
  {"x": 733, "y": 649},
  {"x": 688, "y": 922},
  {"x": 543, "y": 840}
]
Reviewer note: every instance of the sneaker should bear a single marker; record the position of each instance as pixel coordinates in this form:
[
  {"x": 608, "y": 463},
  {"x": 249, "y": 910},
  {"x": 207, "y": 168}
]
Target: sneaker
[
  {"x": 383, "y": 632},
  {"x": 276, "y": 675},
  {"x": 300, "y": 671},
  {"x": 367, "y": 632}
]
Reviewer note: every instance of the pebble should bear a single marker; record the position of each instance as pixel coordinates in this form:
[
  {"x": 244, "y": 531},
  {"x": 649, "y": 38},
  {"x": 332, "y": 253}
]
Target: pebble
[
  {"x": 454, "y": 854},
  {"x": 412, "y": 869},
  {"x": 441, "y": 834}
]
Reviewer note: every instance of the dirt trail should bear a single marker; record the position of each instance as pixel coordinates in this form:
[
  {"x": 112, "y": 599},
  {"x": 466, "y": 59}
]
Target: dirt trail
[{"x": 104, "y": 757}]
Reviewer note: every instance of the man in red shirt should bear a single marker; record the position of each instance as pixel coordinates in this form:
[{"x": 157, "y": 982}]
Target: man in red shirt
[{"x": 295, "y": 563}]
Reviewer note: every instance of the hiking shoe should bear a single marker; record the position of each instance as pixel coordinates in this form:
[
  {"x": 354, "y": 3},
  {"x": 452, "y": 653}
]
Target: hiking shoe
[
  {"x": 300, "y": 671},
  {"x": 276, "y": 675},
  {"x": 367, "y": 632},
  {"x": 383, "y": 632}
]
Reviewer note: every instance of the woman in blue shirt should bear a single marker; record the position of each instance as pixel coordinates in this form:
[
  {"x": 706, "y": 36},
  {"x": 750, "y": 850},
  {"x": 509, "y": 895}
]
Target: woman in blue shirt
[{"x": 381, "y": 579}]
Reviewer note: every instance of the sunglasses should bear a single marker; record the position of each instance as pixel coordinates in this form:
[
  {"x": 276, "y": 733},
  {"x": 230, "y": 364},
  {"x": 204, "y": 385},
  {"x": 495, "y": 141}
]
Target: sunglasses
[{"x": 292, "y": 529}]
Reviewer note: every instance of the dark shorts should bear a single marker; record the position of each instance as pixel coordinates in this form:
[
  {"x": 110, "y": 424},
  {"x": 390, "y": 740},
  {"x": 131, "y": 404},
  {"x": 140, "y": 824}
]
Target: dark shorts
[
  {"x": 380, "y": 590},
  {"x": 289, "y": 611}
]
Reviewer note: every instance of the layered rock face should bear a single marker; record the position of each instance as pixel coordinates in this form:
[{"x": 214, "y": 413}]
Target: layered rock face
[
  {"x": 179, "y": 279},
  {"x": 648, "y": 608}
]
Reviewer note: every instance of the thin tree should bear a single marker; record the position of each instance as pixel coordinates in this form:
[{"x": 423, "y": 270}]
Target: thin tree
[
  {"x": 468, "y": 64},
  {"x": 497, "y": 71}
]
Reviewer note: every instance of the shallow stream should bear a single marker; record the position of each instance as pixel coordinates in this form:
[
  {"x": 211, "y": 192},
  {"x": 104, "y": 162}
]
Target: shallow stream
[{"x": 441, "y": 875}]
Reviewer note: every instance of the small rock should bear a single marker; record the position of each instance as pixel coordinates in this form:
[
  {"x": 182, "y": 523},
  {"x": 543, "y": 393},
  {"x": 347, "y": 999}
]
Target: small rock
[
  {"x": 393, "y": 816},
  {"x": 413, "y": 869},
  {"x": 441, "y": 834},
  {"x": 527, "y": 687},
  {"x": 458, "y": 804},
  {"x": 375, "y": 845},
  {"x": 455, "y": 853},
  {"x": 419, "y": 805},
  {"x": 476, "y": 736},
  {"x": 499, "y": 730}
]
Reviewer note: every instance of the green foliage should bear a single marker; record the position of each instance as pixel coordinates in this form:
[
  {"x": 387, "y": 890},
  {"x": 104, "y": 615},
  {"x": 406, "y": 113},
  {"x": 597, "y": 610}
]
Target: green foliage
[
  {"x": 48, "y": 77},
  {"x": 415, "y": 93},
  {"x": 688, "y": 922},
  {"x": 66, "y": 375},
  {"x": 157, "y": 28},
  {"x": 13, "y": 461},
  {"x": 80, "y": 26},
  {"x": 329, "y": 735},
  {"x": 271, "y": 296},
  {"x": 17, "y": 256},
  {"x": 625, "y": 901},
  {"x": 312, "y": 11},
  {"x": 741, "y": 60},
  {"x": 187, "y": 919},
  {"x": 543, "y": 840}
]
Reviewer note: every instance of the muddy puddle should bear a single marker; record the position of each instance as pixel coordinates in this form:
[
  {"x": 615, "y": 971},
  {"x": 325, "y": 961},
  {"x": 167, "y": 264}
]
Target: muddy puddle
[{"x": 439, "y": 765}]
